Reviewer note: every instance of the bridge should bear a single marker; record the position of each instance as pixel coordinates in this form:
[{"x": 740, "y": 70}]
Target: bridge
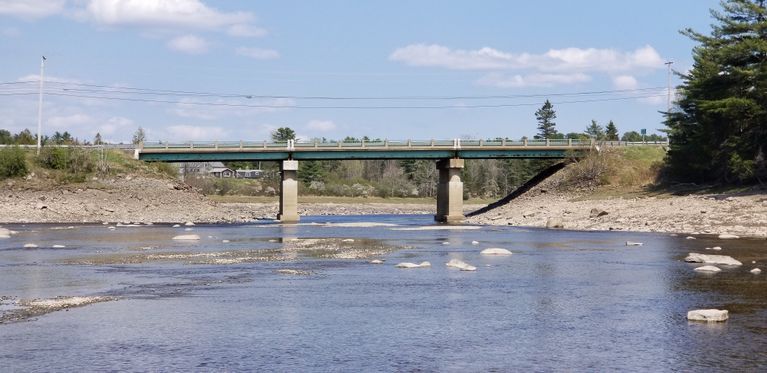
[{"x": 448, "y": 154}]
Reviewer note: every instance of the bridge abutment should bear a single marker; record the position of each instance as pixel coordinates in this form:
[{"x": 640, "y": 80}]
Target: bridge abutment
[
  {"x": 289, "y": 192},
  {"x": 450, "y": 191}
]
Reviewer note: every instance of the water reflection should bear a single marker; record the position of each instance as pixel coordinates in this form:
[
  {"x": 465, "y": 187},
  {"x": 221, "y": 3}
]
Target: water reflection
[{"x": 563, "y": 300}]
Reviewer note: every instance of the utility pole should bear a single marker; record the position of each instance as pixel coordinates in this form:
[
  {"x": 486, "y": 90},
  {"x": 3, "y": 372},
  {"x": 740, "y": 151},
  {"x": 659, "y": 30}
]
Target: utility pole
[
  {"x": 40, "y": 105},
  {"x": 668, "y": 98}
]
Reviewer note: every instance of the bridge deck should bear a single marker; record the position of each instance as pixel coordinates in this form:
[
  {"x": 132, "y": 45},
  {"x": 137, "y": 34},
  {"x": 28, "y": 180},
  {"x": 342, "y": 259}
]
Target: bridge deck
[{"x": 431, "y": 149}]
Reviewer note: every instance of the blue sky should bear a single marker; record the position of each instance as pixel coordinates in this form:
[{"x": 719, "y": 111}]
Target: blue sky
[{"x": 447, "y": 56}]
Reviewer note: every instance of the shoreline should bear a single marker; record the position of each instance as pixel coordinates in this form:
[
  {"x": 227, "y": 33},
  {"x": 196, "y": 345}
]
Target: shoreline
[{"x": 142, "y": 200}]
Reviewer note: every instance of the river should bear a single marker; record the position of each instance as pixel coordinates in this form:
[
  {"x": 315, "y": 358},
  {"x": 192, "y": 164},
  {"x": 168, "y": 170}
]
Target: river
[{"x": 564, "y": 301}]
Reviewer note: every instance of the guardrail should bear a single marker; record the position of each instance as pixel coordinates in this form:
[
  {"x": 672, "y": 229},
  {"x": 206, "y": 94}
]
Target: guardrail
[
  {"x": 293, "y": 145},
  {"x": 104, "y": 146}
]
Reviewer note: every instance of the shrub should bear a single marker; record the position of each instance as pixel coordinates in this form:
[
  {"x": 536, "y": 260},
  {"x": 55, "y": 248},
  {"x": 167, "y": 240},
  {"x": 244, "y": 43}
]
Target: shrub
[
  {"x": 13, "y": 162},
  {"x": 75, "y": 162}
]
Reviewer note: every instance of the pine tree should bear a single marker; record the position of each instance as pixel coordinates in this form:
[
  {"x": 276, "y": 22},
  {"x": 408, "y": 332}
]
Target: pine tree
[
  {"x": 611, "y": 132},
  {"x": 545, "y": 117},
  {"x": 595, "y": 131},
  {"x": 719, "y": 130},
  {"x": 97, "y": 139},
  {"x": 283, "y": 134}
]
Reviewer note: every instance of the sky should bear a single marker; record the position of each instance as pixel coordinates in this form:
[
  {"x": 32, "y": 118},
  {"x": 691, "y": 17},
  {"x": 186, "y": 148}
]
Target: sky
[{"x": 197, "y": 70}]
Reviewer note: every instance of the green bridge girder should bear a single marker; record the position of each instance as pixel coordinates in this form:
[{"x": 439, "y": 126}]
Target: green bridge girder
[{"x": 204, "y": 155}]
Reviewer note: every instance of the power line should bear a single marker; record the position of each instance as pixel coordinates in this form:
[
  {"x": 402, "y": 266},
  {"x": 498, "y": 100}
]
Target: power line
[
  {"x": 169, "y": 92},
  {"x": 266, "y": 106}
]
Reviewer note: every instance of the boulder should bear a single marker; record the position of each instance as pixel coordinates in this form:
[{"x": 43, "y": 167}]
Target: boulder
[
  {"x": 712, "y": 259},
  {"x": 445, "y": 243},
  {"x": 475, "y": 242},
  {"x": 756, "y": 271},
  {"x": 495, "y": 251},
  {"x": 5, "y": 233},
  {"x": 555, "y": 223},
  {"x": 176, "y": 225},
  {"x": 595, "y": 213},
  {"x": 710, "y": 315},
  {"x": 463, "y": 266},
  {"x": 189, "y": 223},
  {"x": 376, "y": 261},
  {"x": 632, "y": 243},
  {"x": 347, "y": 240},
  {"x": 187, "y": 237},
  {"x": 708, "y": 269},
  {"x": 408, "y": 265},
  {"x": 58, "y": 246},
  {"x": 716, "y": 248},
  {"x": 30, "y": 246},
  {"x": 689, "y": 238}
]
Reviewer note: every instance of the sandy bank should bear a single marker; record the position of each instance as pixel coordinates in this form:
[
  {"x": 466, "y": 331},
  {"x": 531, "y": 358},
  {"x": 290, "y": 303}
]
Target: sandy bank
[{"x": 742, "y": 215}]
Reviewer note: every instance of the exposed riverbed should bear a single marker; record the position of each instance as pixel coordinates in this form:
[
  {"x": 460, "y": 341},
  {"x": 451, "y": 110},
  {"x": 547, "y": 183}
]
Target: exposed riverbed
[{"x": 306, "y": 297}]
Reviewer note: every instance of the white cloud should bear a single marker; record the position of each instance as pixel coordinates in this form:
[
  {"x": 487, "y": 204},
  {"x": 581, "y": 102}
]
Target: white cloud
[
  {"x": 258, "y": 53},
  {"x": 185, "y": 132},
  {"x": 321, "y": 125},
  {"x": 31, "y": 9},
  {"x": 189, "y": 44},
  {"x": 68, "y": 122},
  {"x": 190, "y": 14},
  {"x": 554, "y": 60},
  {"x": 115, "y": 125},
  {"x": 48, "y": 78},
  {"x": 625, "y": 82},
  {"x": 245, "y": 30},
  {"x": 501, "y": 80},
  {"x": 10, "y": 32}
]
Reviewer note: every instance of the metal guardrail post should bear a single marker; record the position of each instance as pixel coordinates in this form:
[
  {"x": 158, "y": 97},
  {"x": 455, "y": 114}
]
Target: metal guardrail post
[
  {"x": 386, "y": 143},
  {"x": 503, "y": 141},
  {"x": 548, "y": 142},
  {"x": 316, "y": 145},
  {"x": 481, "y": 142},
  {"x": 432, "y": 143},
  {"x": 166, "y": 145},
  {"x": 362, "y": 142},
  {"x": 409, "y": 144},
  {"x": 569, "y": 142},
  {"x": 215, "y": 145},
  {"x": 191, "y": 145},
  {"x": 240, "y": 144},
  {"x": 524, "y": 142}
]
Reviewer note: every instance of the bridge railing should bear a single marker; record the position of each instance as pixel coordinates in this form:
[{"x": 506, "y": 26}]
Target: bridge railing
[{"x": 387, "y": 144}]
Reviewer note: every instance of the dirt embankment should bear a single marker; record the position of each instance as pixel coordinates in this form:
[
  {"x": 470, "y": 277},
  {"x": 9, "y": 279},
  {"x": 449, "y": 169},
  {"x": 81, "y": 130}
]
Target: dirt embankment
[
  {"x": 141, "y": 199},
  {"x": 633, "y": 209}
]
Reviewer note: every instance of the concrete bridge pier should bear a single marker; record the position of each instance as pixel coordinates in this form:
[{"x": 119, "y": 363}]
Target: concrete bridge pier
[
  {"x": 450, "y": 191},
  {"x": 289, "y": 192}
]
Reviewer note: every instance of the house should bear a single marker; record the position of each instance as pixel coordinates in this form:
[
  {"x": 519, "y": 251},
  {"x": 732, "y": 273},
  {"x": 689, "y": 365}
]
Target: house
[
  {"x": 215, "y": 169},
  {"x": 248, "y": 174}
]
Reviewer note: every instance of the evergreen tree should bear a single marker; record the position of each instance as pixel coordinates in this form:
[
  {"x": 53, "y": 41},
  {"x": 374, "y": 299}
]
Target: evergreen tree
[
  {"x": 631, "y": 136},
  {"x": 719, "y": 131},
  {"x": 611, "y": 132},
  {"x": 5, "y": 137},
  {"x": 97, "y": 139},
  {"x": 595, "y": 131},
  {"x": 545, "y": 117},
  {"x": 283, "y": 134}
]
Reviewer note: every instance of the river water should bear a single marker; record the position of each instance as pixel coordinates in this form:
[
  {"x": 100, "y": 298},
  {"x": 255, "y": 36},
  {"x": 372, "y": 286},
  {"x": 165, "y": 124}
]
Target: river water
[{"x": 564, "y": 301}]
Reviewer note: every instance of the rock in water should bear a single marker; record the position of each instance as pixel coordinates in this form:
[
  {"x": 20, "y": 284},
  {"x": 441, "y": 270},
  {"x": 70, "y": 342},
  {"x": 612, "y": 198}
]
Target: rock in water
[
  {"x": 58, "y": 246},
  {"x": 710, "y": 315},
  {"x": 689, "y": 238},
  {"x": 708, "y": 269},
  {"x": 176, "y": 225},
  {"x": 727, "y": 236},
  {"x": 348, "y": 240},
  {"x": 632, "y": 243},
  {"x": 495, "y": 251},
  {"x": 408, "y": 265},
  {"x": 475, "y": 242},
  {"x": 595, "y": 213},
  {"x": 756, "y": 271},
  {"x": 30, "y": 246},
  {"x": 716, "y": 248},
  {"x": 5, "y": 233},
  {"x": 712, "y": 259},
  {"x": 463, "y": 266},
  {"x": 189, "y": 223},
  {"x": 555, "y": 223},
  {"x": 187, "y": 237},
  {"x": 376, "y": 261}
]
